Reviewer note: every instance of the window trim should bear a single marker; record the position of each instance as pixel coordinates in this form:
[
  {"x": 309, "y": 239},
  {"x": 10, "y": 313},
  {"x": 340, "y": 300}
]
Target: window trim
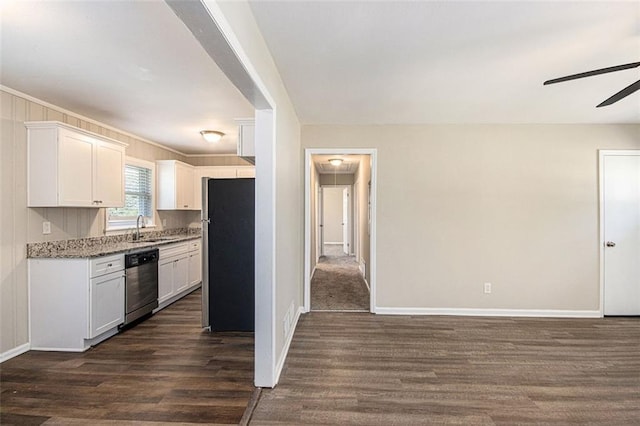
[{"x": 151, "y": 222}]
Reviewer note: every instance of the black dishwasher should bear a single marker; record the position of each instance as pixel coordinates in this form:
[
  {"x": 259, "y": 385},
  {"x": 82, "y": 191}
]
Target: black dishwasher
[{"x": 141, "y": 284}]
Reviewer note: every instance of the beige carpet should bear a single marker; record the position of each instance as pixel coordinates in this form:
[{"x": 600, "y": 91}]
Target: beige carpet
[{"x": 337, "y": 284}]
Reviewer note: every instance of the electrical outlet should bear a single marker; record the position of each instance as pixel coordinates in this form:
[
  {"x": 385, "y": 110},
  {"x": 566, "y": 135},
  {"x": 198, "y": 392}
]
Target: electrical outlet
[
  {"x": 164, "y": 222},
  {"x": 487, "y": 288},
  {"x": 46, "y": 227}
]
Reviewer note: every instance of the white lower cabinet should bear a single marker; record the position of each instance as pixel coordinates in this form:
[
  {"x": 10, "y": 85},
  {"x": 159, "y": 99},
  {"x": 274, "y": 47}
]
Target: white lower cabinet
[
  {"x": 178, "y": 271},
  {"x": 195, "y": 262},
  {"x": 107, "y": 303},
  {"x": 75, "y": 303},
  {"x": 165, "y": 279}
]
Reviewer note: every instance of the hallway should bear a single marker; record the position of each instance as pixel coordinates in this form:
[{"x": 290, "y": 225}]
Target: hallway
[{"x": 337, "y": 284}]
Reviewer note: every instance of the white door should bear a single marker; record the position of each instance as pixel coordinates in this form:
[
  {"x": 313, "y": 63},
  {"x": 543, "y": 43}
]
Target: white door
[
  {"x": 345, "y": 221},
  {"x": 621, "y": 223}
]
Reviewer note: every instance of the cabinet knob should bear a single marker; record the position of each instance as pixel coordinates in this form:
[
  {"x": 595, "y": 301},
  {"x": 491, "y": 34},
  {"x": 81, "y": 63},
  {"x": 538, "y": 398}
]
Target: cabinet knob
[
  {"x": 109, "y": 265},
  {"x": 610, "y": 244}
]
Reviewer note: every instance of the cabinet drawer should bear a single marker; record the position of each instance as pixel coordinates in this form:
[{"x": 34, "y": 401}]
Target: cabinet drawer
[
  {"x": 106, "y": 265},
  {"x": 194, "y": 245},
  {"x": 173, "y": 250}
]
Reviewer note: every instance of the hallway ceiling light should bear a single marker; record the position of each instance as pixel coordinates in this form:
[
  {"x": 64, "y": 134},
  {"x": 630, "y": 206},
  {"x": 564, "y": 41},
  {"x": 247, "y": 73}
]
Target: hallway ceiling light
[
  {"x": 211, "y": 135},
  {"x": 335, "y": 161}
]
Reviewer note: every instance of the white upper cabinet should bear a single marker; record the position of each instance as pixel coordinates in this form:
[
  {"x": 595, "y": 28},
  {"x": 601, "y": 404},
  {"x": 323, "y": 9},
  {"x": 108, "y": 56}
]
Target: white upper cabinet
[
  {"x": 71, "y": 167},
  {"x": 246, "y": 139},
  {"x": 175, "y": 185}
]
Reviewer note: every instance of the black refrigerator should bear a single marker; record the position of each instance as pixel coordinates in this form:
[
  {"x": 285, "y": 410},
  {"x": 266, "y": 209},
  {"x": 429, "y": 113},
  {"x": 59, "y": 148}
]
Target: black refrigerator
[{"x": 228, "y": 231}]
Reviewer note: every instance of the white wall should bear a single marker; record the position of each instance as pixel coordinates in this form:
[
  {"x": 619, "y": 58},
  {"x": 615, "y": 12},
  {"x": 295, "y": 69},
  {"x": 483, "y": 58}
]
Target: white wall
[
  {"x": 461, "y": 205},
  {"x": 332, "y": 214}
]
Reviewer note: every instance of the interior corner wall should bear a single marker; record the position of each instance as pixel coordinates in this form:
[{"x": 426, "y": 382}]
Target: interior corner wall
[
  {"x": 21, "y": 225},
  {"x": 362, "y": 179},
  {"x": 461, "y": 205},
  {"x": 313, "y": 213}
]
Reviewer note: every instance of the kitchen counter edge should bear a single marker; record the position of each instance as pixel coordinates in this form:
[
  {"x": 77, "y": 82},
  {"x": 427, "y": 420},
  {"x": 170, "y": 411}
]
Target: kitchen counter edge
[{"x": 110, "y": 249}]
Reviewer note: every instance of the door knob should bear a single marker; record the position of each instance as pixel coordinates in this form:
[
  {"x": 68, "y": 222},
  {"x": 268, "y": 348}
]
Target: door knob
[{"x": 610, "y": 244}]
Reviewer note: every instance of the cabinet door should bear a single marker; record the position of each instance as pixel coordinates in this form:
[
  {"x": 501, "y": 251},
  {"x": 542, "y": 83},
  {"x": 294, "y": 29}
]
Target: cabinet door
[
  {"x": 165, "y": 280},
  {"x": 107, "y": 303},
  {"x": 109, "y": 175},
  {"x": 75, "y": 170},
  {"x": 184, "y": 187},
  {"x": 246, "y": 141},
  {"x": 181, "y": 274},
  {"x": 195, "y": 268}
]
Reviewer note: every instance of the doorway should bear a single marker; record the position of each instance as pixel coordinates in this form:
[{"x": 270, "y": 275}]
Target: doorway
[
  {"x": 620, "y": 232},
  {"x": 353, "y": 250}
]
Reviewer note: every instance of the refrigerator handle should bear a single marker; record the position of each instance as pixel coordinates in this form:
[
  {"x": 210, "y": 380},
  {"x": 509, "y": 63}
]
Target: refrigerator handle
[{"x": 205, "y": 252}]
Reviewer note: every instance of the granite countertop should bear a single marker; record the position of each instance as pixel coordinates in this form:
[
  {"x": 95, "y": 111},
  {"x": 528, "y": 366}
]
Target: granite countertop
[{"x": 102, "y": 246}]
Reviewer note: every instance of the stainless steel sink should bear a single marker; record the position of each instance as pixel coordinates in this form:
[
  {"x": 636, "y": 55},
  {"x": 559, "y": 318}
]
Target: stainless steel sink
[{"x": 153, "y": 240}]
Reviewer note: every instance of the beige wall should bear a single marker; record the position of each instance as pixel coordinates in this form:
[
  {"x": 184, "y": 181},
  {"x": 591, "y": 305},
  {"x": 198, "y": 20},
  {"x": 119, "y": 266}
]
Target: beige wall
[
  {"x": 361, "y": 192},
  {"x": 332, "y": 214},
  {"x": 20, "y": 225},
  {"x": 461, "y": 205},
  {"x": 337, "y": 179},
  {"x": 313, "y": 211}
]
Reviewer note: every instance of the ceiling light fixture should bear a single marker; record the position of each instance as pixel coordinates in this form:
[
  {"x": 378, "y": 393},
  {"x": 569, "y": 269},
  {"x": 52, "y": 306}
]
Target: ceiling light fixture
[
  {"x": 211, "y": 135},
  {"x": 335, "y": 161}
]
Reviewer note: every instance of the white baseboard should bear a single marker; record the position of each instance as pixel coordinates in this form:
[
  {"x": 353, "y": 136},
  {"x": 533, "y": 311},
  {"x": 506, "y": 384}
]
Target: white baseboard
[
  {"x": 550, "y": 313},
  {"x": 367, "y": 284},
  {"x": 12, "y": 353},
  {"x": 312, "y": 272},
  {"x": 285, "y": 350}
]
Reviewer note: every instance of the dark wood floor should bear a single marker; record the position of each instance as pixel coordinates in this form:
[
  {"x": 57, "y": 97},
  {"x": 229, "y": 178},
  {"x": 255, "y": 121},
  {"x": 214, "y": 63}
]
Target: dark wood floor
[
  {"x": 363, "y": 369},
  {"x": 165, "y": 369}
]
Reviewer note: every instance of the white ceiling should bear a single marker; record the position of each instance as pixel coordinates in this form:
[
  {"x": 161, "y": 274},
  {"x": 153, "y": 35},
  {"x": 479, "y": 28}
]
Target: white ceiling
[
  {"x": 411, "y": 62},
  {"x": 350, "y": 164},
  {"x": 135, "y": 66},
  {"x": 129, "y": 64}
]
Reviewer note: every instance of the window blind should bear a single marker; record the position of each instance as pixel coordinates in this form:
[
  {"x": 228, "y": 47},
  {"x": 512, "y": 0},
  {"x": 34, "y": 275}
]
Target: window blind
[{"x": 137, "y": 195}]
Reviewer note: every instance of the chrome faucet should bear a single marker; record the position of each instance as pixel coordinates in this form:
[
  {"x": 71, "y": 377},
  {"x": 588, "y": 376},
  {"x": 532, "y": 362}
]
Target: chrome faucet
[{"x": 137, "y": 236}]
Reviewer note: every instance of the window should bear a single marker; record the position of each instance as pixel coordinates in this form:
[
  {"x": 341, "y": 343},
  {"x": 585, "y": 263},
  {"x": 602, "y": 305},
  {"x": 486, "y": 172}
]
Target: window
[{"x": 138, "y": 196}]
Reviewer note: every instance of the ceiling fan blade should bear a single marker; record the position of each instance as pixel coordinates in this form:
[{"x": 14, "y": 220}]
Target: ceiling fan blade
[
  {"x": 621, "y": 94},
  {"x": 594, "y": 72}
]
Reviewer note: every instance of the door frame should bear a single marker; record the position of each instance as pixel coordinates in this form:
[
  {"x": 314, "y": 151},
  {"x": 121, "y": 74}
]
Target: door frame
[
  {"x": 601, "y": 154},
  {"x": 308, "y": 152}
]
